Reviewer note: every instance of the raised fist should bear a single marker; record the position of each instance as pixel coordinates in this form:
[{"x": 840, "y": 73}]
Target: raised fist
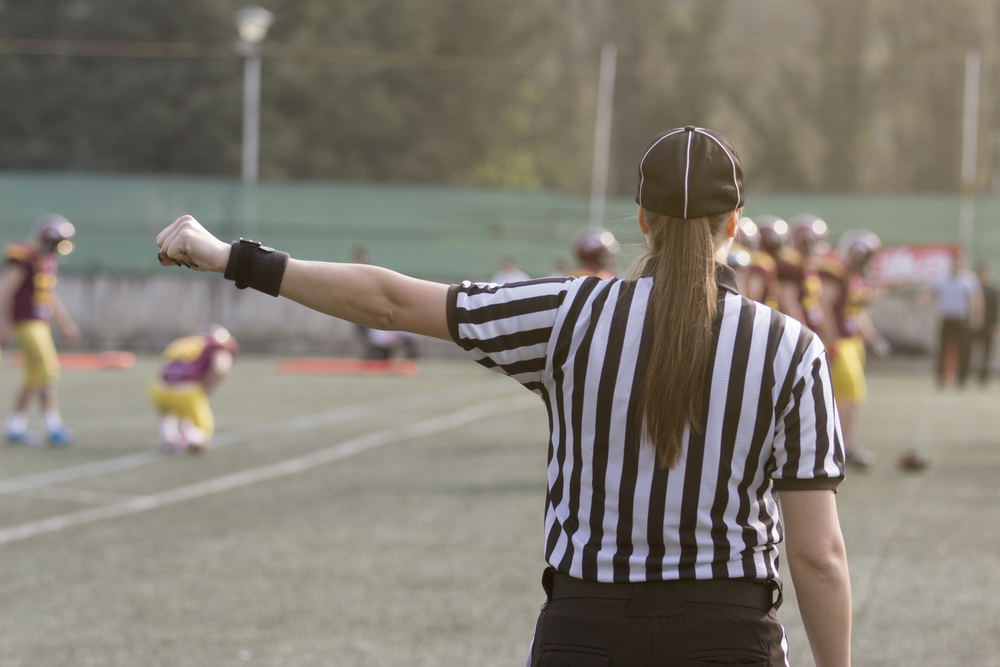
[{"x": 187, "y": 243}]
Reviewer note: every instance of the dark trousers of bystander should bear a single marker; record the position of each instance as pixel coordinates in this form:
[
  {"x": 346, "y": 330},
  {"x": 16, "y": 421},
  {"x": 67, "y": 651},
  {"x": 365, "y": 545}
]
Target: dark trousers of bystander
[
  {"x": 983, "y": 339},
  {"x": 954, "y": 351}
]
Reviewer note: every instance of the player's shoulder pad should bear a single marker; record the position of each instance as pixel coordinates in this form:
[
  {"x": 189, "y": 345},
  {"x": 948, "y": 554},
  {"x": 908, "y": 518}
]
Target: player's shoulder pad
[
  {"x": 791, "y": 256},
  {"x": 186, "y": 349},
  {"x": 19, "y": 251},
  {"x": 764, "y": 261},
  {"x": 831, "y": 266}
]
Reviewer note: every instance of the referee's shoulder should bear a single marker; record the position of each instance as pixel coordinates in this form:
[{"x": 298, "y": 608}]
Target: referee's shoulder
[{"x": 790, "y": 334}]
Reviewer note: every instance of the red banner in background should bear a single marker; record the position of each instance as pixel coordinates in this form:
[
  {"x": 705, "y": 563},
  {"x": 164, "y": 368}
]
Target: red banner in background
[{"x": 911, "y": 265}]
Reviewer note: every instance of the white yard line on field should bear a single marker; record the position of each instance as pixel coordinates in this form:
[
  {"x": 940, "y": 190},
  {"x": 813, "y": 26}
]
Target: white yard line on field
[
  {"x": 273, "y": 429},
  {"x": 284, "y": 468},
  {"x": 73, "y": 495}
]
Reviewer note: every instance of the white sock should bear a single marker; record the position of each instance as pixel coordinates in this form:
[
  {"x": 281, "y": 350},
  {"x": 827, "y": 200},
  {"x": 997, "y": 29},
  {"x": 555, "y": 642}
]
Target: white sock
[
  {"x": 192, "y": 436},
  {"x": 170, "y": 433},
  {"x": 53, "y": 421},
  {"x": 17, "y": 422}
]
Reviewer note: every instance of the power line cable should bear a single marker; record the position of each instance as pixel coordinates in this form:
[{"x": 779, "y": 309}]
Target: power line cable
[{"x": 358, "y": 58}]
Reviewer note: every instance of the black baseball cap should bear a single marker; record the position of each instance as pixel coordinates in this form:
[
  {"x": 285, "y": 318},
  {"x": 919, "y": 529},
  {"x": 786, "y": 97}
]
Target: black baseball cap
[{"x": 690, "y": 172}]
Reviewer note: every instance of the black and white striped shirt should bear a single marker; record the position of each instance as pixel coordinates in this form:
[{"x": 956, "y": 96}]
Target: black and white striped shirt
[{"x": 612, "y": 513}]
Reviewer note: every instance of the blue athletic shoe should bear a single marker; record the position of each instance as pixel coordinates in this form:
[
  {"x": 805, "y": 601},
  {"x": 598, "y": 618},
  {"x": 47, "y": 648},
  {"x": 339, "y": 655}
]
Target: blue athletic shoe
[
  {"x": 22, "y": 438},
  {"x": 62, "y": 437}
]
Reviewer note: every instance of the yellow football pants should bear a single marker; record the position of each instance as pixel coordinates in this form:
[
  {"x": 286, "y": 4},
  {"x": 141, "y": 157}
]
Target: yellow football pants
[
  {"x": 41, "y": 363},
  {"x": 847, "y": 370},
  {"x": 186, "y": 400}
]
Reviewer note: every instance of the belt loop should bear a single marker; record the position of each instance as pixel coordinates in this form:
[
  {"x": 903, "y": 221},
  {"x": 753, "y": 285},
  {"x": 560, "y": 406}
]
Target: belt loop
[
  {"x": 547, "y": 577},
  {"x": 776, "y": 585}
]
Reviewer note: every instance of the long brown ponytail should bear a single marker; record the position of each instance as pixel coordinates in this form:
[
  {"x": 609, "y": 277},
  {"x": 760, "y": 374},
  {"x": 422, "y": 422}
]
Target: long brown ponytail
[{"x": 681, "y": 310}]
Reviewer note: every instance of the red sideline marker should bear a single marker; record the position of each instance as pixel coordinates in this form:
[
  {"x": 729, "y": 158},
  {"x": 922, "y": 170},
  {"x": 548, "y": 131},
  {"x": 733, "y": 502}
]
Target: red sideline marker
[
  {"x": 85, "y": 362},
  {"x": 327, "y": 366}
]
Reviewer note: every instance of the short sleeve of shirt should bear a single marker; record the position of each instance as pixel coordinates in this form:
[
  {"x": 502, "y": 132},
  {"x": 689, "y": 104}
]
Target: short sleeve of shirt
[
  {"x": 507, "y": 328},
  {"x": 808, "y": 445}
]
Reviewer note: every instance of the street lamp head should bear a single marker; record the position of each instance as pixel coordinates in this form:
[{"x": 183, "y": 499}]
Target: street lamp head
[{"x": 252, "y": 24}]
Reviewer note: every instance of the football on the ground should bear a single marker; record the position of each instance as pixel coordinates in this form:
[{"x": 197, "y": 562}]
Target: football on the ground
[{"x": 913, "y": 459}]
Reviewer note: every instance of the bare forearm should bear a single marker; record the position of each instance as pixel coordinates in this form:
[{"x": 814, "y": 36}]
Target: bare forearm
[
  {"x": 868, "y": 330},
  {"x": 368, "y": 295},
  {"x": 828, "y": 328},
  {"x": 62, "y": 317},
  {"x": 788, "y": 298},
  {"x": 817, "y": 559},
  {"x": 824, "y": 597}
]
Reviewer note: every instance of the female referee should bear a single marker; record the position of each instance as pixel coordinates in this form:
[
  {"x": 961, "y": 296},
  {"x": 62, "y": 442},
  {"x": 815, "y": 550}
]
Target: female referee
[{"x": 678, "y": 412}]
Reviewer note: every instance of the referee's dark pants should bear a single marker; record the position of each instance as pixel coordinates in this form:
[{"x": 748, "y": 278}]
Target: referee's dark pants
[
  {"x": 661, "y": 624},
  {"x": 954, "y": 347}
]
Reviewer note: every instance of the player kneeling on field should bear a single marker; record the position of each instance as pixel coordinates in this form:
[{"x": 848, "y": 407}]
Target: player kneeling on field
[{"x": 192, "y": 367}]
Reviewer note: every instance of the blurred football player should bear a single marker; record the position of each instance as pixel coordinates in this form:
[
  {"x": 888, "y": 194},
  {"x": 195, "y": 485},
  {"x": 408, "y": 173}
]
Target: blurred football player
[
  {"x": 846, "y": 326},
  {"x": 595, "y": 249},
  {"x": 192, "y": 367},
  {"x": 28, "y": 301},
  {"x": 756, "y": 271},
  {"x": 809, "y": 235},
  {"x": 798, "y": 291}
]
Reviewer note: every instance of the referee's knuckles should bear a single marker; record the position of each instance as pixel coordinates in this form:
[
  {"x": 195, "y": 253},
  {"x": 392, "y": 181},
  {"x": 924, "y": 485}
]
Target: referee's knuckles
[{"x": 187, "y": 224}]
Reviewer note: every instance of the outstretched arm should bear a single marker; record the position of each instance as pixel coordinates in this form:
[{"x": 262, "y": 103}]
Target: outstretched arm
[{"x": 367, "y": 295}]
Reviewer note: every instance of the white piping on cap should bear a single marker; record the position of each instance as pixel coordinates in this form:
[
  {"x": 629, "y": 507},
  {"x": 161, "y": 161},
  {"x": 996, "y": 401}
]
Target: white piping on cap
[
  {"x": 687, "y": 171},
  {"x": 731, "y": 159},
  {"x": 642, "y": 176}
]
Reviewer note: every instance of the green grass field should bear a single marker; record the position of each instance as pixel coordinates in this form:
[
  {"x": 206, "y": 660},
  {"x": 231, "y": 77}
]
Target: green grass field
[{"x": 397, "y": 521}]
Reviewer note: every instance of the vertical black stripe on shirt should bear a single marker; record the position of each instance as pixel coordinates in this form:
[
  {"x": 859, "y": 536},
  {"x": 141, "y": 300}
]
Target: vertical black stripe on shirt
[
  {"x": 763, "y": 425},
  {"x": 789, "y": 402},
  {"x": 630, "y": 464},
  {"x": 784, "y": 396},
  {"x": 564, "y": 343},
  {"x": 793, "y": 436},
  {"x": 688, "y": 528},
  {"x": 548, "y": 411},
  {"x": 730, "y": 428},
  {"x": 581, "y": 362},
  {"x": 819, "y": 408},
  {"x": 602, "y": 428},
  {"x": 801, "y": 343},
  {"x": 655, "y": 540},
  {"x": 838, "y": 445},
  {"x": 654, "y": 522}
]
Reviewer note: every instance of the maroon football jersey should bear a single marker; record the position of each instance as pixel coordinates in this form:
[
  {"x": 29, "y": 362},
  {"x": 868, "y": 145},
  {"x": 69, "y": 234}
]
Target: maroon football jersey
[{"x": 34, "y": 297}]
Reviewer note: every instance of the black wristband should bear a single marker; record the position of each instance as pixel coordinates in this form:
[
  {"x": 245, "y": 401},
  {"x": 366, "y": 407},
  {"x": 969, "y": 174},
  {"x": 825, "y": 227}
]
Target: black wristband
[{"x": 254, "y": 265}]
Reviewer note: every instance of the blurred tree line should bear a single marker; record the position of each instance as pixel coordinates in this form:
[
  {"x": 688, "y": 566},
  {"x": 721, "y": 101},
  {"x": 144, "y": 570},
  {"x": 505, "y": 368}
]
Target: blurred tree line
[{"x": 819, "y": 95}]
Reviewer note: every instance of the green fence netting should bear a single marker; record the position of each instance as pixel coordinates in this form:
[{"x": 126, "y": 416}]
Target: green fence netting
[{"x": 437, "y": 232}]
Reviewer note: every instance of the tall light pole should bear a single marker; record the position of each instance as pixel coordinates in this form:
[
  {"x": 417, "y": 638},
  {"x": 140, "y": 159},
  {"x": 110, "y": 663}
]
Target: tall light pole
[
  {"x": 252, "y": 24},
  {"x": 602, "y": 134},
  {"x": 970, "y": 141}
]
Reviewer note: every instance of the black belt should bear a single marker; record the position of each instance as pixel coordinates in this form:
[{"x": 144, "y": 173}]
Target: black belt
[{"x": 718, "y": 591}]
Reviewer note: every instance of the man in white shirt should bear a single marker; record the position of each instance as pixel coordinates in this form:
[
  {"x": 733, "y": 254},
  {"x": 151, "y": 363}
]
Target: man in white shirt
[
  {"x": 509, "y": 273},
  {"x": 960, "y": 307}
]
